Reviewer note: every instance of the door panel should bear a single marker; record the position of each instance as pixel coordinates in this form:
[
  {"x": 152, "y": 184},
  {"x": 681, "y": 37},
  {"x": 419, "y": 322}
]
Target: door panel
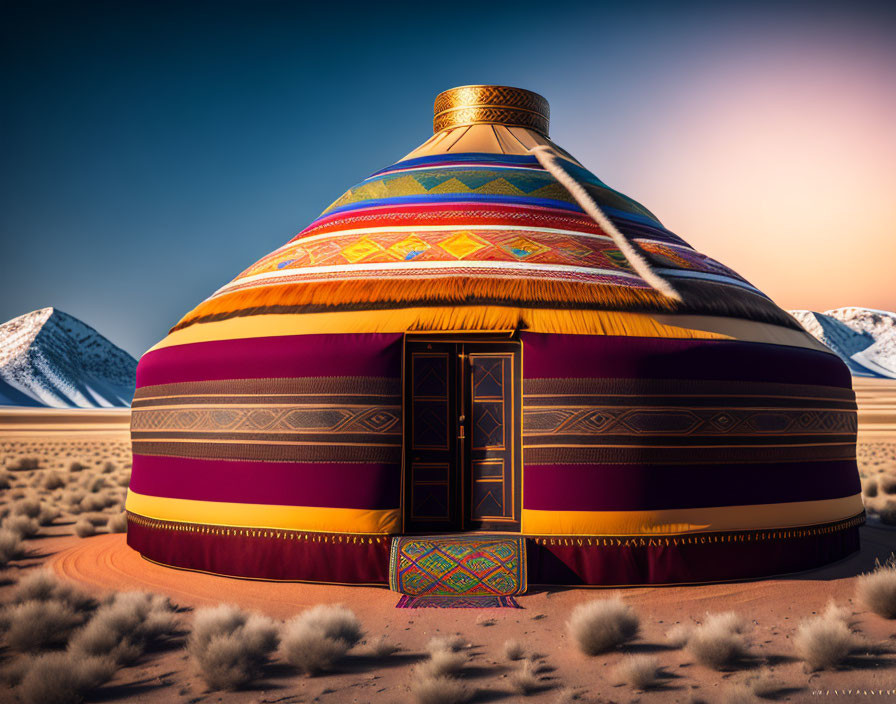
[
  {"x": 432, "y": 482},
  {"x": 493, "y": 479},
  {"x": 462, "y": 460}
]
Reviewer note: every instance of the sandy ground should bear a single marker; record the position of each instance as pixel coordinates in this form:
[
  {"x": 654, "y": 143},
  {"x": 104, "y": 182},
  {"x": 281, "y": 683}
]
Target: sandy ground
[{"x": 774, "y": 607}]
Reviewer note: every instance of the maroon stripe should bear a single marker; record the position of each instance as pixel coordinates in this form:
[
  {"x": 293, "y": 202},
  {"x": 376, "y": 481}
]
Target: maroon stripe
[
  {"x": 595, "y": 356},
  {"x": 701, "y": 560},
  {"x": 308, "y": 558},
  {"x": 628, "y": 487},
  {"x": 327, "y": 484},
  {"x": 376, "y": 355}
]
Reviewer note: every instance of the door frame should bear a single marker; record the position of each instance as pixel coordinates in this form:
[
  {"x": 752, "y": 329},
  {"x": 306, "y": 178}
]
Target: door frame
[{"x": 509, "y": 336}]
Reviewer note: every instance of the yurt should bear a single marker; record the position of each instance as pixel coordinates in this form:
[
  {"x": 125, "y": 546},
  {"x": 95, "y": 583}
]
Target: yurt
[{"x": 482, "y": 367}]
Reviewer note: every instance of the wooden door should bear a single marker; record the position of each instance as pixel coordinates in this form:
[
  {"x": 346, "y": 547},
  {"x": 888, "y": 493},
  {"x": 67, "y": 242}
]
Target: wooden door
[{"x": 462, "y": 435}]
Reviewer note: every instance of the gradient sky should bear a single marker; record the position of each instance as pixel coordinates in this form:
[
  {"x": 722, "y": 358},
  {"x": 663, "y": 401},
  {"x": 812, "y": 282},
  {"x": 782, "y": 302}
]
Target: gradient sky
[{"x": 151, "y": 151}]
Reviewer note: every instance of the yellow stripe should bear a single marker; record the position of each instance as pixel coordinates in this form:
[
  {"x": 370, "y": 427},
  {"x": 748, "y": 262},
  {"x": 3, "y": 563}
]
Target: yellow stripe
[
  {"x": 309, "y": 518},
  {"x": 690, "y": 520},
  {"x": 491, "y": 319}
]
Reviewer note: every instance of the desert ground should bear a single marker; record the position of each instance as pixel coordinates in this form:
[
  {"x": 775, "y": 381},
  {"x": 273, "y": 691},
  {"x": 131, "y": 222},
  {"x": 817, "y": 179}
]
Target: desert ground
[{"x": 66, "y": 473}]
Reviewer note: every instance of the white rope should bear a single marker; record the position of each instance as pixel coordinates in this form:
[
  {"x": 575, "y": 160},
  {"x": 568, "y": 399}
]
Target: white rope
[{"x": 547, "y": 157}]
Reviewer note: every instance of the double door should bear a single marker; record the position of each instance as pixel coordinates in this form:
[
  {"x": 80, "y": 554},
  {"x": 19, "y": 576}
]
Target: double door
[{"x": 462, "y": 435}]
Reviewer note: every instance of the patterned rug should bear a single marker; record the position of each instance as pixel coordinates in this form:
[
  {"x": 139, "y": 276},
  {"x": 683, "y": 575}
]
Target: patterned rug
[
  {"x": 457, "y": 602},
  {"x": 467, "y": 566}
]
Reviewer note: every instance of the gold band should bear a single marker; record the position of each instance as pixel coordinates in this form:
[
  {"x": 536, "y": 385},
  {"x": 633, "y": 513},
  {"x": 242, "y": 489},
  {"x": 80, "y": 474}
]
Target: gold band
[{"x": 501, "y": 105}]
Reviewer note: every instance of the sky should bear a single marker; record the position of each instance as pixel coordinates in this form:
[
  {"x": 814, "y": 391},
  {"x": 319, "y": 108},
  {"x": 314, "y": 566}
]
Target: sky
[{"x": 149, "y": 152}]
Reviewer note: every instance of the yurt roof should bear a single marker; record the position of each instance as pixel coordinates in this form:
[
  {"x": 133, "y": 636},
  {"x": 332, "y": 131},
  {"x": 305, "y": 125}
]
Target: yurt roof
[{"x": 469, "y": 231}]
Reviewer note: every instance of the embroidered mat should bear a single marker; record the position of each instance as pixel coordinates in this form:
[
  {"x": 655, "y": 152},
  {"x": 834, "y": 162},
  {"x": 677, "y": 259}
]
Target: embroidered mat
[
  {"x": 456, "y": 602},
  {"x": 468, "y": 566}
]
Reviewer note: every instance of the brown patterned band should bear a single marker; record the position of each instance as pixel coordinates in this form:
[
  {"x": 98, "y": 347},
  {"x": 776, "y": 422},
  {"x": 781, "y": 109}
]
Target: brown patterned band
[{"x": 502, "y": 105}]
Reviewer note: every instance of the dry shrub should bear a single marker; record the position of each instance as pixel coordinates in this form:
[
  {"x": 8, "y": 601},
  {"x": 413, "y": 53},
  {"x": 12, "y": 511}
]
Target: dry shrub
[
  {"x": 98, "y": 519},
  {"x": 109, "y": 467},
  {"x": 36, "y": 625},
  {"x": 47, "y": 515},
  {"x": 641, "y": 672},
  {"x": 679, "y": 635},
  {"x": 24, "y": 464},
  {"x": 29, "y": 507},
  {"x": 93, "y": 502},
  {"x": 230, "y": 646},
  {"x": 126, "y": 626},
  {"x": 887, "y": 513},
  {"x": 513, "y": 650},
  {"x": 887, "y": 483},
  {"x": 118, "y": 523},
  {"x": 450, "y": 643},
  {"x": 442, "y": 663},
  {"x": 11, "y": 547},
  {"x": 824, "y": 642},
  {"x": 525, "y": 680},
  {"x": 5, "y": 480},
  {"x": 877, "y": 590},
  {"x": 84, "y": 528},
  {"x": 869, "y": 488},
  {"x": 43, "y": 585},
  {"x": 383, "y": 648},
  {"x": 63, "y": 678},
  {"x": 439, "y": 690},
  {"x": 719, "y": 642},
  {"x": 53, "y": 481},
  {"x": 76, "y": 467},
  {"x": 603, "y": 624},
  {"x": 763, "y": 685},
  {"x": 24, "y": 526},
  {"x": 316, "y": 639},
  {"x": 95, "y": 484},
  {"x": 738, "y": 693}
]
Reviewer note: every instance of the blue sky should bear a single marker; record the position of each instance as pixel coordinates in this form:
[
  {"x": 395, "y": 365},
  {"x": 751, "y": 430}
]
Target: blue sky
[{"x": 151, "y": 151}]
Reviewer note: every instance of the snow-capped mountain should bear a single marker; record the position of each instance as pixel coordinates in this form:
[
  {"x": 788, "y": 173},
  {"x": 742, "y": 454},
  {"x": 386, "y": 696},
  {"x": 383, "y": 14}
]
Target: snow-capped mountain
[
  {"x": 864, "y": 338},
  {"x": 49, "y": 358}
]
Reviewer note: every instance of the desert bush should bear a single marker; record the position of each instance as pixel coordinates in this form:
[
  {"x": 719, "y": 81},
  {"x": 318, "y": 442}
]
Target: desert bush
[
  {"x": 719, "y": 642},
  {"x": 52, "y": 481},
  {"x": 763, "y": 684},
  {"x": 679, "y": 635},
  {"x": 11, "y": 547},
  {"x": 824, "y": 642},
  {"x": 24, "y": 526},
  {"x": 318, "y": 638},
  {"x": 513, "y": 650},
  {"x": 126, "y": 626},
  {"x": 37, "y": 625},
  {"x": 43, "y": 585},
  {"x": 29, "y": 507},
  {"x": 450, "y": 643},
  {"x": 442, "y": 663},
  {"x": 439, "y": 690},
  {"x": 98, "y": 519},
  {"x": 47, "y": 515},
  {"x": 118, "y": 523},
  {"x": 877, "y": 590},
  {"x": 603, "y": 624},
  {"x": 525, "y": 679},
  {"x": 84, "y": 528},
  {"x": 93, "y": 502},
  {"x": 887, "y": 513},
  {"x": 869, "y": 488},
  {"x": 641, "y": 672},
  {"x": 109, "y": 467},
  {"x": 383, "y": 648},
  {"x": 63, "y": 678},
  {"x": 24, "y": 464},
  {"x": 230, "y": 646},
  {"x": 5, "y": 480},
  {"x": 76, "y": 467},
  {"x": 96, "y": 484},
  {"x": 887, "y": 483}
]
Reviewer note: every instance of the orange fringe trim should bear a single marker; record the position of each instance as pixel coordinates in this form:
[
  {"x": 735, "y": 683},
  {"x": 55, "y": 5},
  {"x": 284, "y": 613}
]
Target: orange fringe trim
[{"x": 377, "y": 294}]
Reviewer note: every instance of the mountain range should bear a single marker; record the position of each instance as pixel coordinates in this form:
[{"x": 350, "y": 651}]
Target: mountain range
[
  {"x": 50, "y": 358},
  {"x": 864, "y": 338}
]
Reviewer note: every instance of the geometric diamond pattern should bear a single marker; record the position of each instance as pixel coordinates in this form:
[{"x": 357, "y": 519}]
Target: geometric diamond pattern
[{"x": 461, "y": 566}]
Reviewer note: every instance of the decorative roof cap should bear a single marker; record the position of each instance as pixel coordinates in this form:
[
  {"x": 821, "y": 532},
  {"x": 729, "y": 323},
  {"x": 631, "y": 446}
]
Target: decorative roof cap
[{"x": 496, "y": 105}]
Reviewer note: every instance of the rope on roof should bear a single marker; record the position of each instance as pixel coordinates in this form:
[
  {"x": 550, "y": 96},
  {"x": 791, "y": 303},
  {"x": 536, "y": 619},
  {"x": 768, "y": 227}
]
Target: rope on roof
[{"x": 547, "y": 157}]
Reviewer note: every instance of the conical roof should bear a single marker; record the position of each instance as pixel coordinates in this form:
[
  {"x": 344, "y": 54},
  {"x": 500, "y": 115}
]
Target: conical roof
[{"x": 469, "y": 231}]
